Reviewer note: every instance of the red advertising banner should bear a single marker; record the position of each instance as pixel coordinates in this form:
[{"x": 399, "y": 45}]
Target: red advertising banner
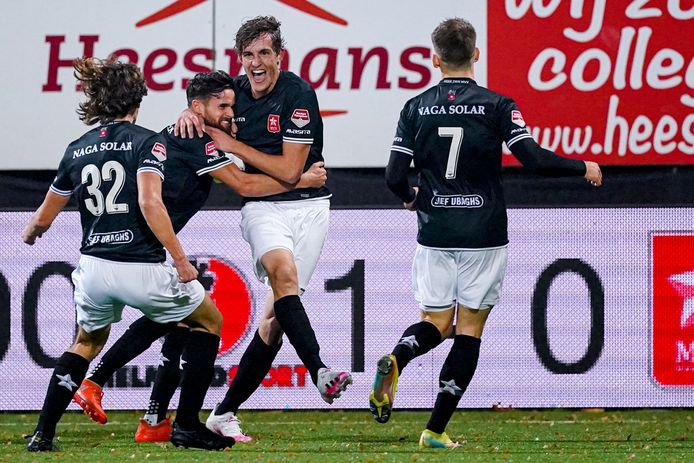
[
  {"x": 611, "y": 82},
  {"x": 672, "y": 270}
]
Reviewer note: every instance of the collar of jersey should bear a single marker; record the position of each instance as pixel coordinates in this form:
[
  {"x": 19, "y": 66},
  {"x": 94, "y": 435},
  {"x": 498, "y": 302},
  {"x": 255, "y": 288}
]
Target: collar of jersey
[
  {"x": 115, "y": 122},
  {"x": 457, "y": 80}
]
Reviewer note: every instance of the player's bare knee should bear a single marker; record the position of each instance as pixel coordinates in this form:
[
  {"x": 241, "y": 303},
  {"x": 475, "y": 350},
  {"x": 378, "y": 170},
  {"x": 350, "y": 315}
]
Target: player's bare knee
[{"x": 89, "y": 344}]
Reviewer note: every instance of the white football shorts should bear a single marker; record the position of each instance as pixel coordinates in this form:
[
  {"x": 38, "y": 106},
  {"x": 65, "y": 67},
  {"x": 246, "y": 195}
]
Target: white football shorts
[
  {"x": 298, "y": 226},
  {"x": 104, "y": 287},
  {"x": 470, "y": 278}
]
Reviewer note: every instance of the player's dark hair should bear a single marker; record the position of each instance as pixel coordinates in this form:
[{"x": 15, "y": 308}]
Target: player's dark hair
[
  {"x": 454, "y": 41},
  {"x": 256, "y": 27},
  {"x": 206, "y": 85},
  {"x": 113, "y": 89}
]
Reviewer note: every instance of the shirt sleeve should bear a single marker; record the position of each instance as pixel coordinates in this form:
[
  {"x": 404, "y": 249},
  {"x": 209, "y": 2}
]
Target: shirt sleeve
[
  {"x": 403, "y": 142},
  {"x": 62, "y": 184},
  {"x": 533, "y": 157},
  {"x": 401, "y": 153},
  {"x": 153, "y": 156},
  {"x": 513, "y": 127},
  {"x": 201, "y": 154},
  {"x": 300, "y": 118}
]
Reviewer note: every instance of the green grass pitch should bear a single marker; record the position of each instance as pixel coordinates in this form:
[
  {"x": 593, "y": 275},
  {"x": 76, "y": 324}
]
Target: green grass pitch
[{"x": 345, "y": 436}]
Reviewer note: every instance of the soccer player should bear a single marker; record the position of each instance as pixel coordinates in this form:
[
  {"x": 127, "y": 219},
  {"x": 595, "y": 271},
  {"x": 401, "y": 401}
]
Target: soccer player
[
  {"x": 115, "y": 173},
  {"x": 191, "y": 165},
  {"x": 453, "y": 132},
  {"x": 280, "y": 132}
]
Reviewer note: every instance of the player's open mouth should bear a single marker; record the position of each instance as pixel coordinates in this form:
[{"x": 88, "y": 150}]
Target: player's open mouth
[{"x": 258, "y": 76}]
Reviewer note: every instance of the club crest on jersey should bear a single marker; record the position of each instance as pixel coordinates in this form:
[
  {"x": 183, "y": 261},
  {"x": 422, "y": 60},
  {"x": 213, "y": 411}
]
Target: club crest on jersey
[
  {"x": 451, "y": 95},
  {"x": 102, "y": 132},
  {"x": 159, "y": 151},
  {"x": 210, "y": 149},
  {"x": 273, "y": 123},
  {"x": 517, "y": 118},
  {"x": 300, "y": 117}
]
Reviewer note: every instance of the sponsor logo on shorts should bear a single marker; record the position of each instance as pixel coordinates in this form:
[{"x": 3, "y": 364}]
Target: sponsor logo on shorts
[
  {"x": 273, "y": 123},
  {"x": 457, "y": 201},
  {"x": 672, "y": 270},
  {"x": 517, "y": 118},
  {"x": 300, "y": 117},
  {"x": 159, "y": 151},
  {"x": 110, "y": 238}
]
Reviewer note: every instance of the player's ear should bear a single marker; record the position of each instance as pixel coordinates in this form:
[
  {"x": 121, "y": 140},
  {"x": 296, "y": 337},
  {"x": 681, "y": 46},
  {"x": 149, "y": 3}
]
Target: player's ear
[
  {"x": 477, "y": 54},
  {"x": 436, "y": 61},
  {"x": 280, "y": 57}
]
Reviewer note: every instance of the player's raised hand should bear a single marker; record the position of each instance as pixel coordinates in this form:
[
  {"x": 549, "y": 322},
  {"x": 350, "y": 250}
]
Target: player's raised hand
[
  {"x": 188, "y": 123},
  {"x": 593, "y": 174},
  {"x": 314, "y": 177},
  {"x": 186, "y": 271}
]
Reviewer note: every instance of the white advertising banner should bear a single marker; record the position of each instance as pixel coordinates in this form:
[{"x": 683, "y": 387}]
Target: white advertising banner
[
  {"x": 596, "y": 311},
  {"x": 364, "y": 58}
]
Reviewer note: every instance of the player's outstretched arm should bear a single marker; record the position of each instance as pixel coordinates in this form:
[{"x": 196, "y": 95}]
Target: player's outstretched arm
[
  {"x": 154, "y": 211},
  {"x": 44, "y": 216},
  {"x": 258, "y": 185},
  {"x": 287, "y": 167},
  {"x": 548, "y": 163}
]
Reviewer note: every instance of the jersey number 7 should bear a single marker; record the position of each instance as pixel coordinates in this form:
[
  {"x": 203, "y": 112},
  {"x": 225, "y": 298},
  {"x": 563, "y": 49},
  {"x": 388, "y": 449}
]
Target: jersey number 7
[{"x": 456, "y": 135}]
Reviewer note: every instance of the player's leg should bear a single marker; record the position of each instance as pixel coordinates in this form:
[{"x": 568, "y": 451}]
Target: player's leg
[
  {"x": 434, "y": 283},
  {"x": 456, "y": 374},
  {"x": 197, "y": 370},
  {"x": 278, "y": 235},
  {"x": 137, "y": 338},
  {"x": 253, "y": 367},
  {"x": 289, "y": 311},
  {"x": 155, "y": 426},
  {"x": 67, "y": 375},
  {"x": 309, "y": 231},
  {"x": 480, "y": 275}
]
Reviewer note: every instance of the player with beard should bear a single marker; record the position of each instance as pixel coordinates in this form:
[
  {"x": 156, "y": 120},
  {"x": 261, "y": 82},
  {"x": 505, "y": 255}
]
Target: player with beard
[
  {"x": 191, "y": 166},
  {"x": 280, "y": 133}
]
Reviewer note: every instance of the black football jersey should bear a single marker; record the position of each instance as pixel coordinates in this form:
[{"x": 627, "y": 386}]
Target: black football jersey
[
  {"x": 454, "y": 132},
  {"x": 100, "y": 170},
  {"x": 289, "y": 113},
  {"x": 187, "y": 184}
]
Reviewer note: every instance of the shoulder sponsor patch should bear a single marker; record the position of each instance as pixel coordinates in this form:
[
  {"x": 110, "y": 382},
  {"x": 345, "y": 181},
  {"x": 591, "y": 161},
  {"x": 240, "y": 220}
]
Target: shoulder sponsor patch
[
  {"x": 273, "y": 123},
  {"x": 210, "y": 149},
  {"x": 300, "y": 117},
  {"x": 159, "y": 151},
  {"x": 517, "y": 118}
]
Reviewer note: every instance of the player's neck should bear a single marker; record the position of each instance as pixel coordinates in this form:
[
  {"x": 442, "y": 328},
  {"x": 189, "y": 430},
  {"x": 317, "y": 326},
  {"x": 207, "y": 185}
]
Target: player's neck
[{"x": 469, "y": 74}]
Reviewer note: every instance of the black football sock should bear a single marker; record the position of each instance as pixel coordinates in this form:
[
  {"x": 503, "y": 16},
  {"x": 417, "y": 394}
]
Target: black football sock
[
  {"x": 417, "y": 339},
  {"x": 197, "y": 372},
  {"x": 137, "y": 338},
  {"x": 456, "y": 374},
  {"x": 253, "y": 367},
  {"x": 292, "y": 318},
  {"x": 168, "y": 374},
  {"x": 66, "y": 378}
]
